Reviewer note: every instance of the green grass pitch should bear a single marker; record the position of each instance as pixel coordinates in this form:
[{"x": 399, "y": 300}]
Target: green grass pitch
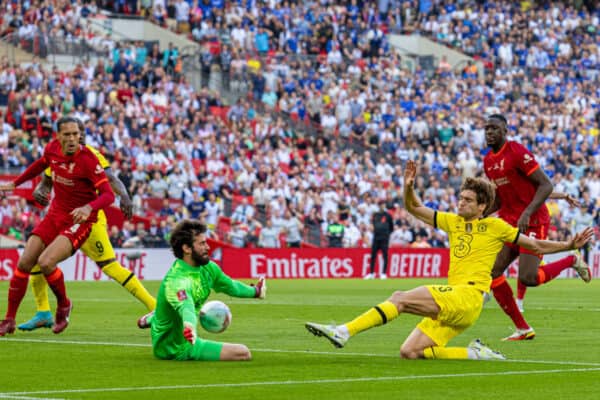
[{"x": 103, "y": 355}]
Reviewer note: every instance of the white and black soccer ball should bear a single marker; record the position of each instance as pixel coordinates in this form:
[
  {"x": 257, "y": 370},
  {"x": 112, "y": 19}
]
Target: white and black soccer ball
[{"x": 215, "y": 316}]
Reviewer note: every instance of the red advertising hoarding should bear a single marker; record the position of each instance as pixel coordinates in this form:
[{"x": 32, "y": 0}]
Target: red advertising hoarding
[{"x": 332, "y": 263}]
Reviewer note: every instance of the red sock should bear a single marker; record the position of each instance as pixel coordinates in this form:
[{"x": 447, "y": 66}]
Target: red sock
[
  {"x": 521, "y": 289},
  {"x": 550, "y": 271},
  {"x": 56, "y": 281},
  {"x": 505, "y": 298},
  {"x": 16, "y": 292}
]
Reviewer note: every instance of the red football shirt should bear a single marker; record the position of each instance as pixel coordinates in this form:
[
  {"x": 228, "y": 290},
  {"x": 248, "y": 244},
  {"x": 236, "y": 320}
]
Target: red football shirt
[
  {"x": 75, "y": 178},
  {"x": 509, "y": 169}
]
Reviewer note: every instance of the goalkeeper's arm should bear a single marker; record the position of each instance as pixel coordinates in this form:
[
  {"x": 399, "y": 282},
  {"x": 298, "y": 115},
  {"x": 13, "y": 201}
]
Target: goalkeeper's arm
[{"x": 235, "y": 288}]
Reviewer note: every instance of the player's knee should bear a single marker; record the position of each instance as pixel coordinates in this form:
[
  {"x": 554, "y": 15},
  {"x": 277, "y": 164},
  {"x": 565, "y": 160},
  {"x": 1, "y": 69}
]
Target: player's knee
[
  {"x": 46, "y": 264},
  {"x": 25, "y": 265},
  {"x": 529, "y": 279},
  {"x": 398, "y": 299}
]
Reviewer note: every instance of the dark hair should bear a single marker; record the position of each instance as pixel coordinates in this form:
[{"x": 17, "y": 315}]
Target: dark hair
[
  {"x": 184, "y": 233},
  {"x": 499, "y": 117},
  {"x": 67, "y": 120},
  {"x": 484, "y": 191}
]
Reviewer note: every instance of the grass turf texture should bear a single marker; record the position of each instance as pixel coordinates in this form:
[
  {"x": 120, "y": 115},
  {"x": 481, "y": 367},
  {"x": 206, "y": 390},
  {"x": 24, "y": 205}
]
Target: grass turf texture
[{"x": 102, "y": 355}]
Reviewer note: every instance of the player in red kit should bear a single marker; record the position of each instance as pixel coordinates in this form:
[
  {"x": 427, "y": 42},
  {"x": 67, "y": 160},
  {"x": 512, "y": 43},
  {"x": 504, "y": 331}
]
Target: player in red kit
[
  {"x": 522, "y": 187},
  {"x": 81, "y": 188}
]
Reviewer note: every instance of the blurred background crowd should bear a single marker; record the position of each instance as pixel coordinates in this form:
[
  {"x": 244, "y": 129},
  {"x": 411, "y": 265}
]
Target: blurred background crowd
[{"x": 325, "y": 114}]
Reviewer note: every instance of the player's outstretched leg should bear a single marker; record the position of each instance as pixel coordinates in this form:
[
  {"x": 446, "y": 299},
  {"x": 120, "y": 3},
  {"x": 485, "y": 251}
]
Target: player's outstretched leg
[
  {"x": 339, "y": 335},
  {"x": 332, "y": 333},
  {"x": 483, "y": 352},
  {"x": 130, "y": 282}
]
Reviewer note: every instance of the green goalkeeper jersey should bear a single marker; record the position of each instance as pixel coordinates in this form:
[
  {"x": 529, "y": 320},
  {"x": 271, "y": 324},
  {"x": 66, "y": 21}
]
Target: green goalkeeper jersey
[{"x": 181, "y": 295}]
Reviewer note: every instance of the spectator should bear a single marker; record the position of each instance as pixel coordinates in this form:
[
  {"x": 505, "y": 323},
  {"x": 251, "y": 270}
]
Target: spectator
[
  {"x": 243, "y": 212},
  {"x": 335, "y": 233},
  {"x": 238, "y": 235},
  {"x": 269, "y": 236},
  {"x": 292, "y": 227}
]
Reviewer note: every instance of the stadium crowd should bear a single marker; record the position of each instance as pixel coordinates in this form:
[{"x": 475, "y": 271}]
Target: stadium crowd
[{"x": 326, "y": 118}]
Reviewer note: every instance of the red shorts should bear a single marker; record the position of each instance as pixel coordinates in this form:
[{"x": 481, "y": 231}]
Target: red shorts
[
  {"x": 52, "y": 226},
  {"x": 539, "y": 232}
]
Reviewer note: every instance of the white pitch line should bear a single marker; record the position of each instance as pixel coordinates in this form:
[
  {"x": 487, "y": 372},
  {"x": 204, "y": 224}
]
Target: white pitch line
[
  {"x": 287, "y": 351},
  {"x": 309, "y": 381},
  {"x": 7, "y": 396}
]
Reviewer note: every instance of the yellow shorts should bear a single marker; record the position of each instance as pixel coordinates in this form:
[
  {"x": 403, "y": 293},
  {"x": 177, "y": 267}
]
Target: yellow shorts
[
  {"x": 97, "y": 246},
  {"x": 460, "y": 306}
]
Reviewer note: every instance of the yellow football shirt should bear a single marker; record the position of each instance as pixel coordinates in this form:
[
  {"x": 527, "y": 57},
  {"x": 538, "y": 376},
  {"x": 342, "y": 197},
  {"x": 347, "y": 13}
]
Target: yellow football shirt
[{"x": 474, "y": 246}]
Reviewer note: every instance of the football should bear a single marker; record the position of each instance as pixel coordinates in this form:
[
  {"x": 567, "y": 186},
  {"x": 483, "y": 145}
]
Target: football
[{"x": 215, "y": 316}]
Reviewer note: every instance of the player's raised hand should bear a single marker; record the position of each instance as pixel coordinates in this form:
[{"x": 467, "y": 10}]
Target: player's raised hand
[
  {"x": 261, "y": 288},
  {"x": 81, "y": 214},
  {"x": 7, "y": 187},
  {"x": 581, "y": 238},
  {"x": 189, "y": 332},
  {"x": 410, "y": 172},
  {"x": 572, "y": 201}
]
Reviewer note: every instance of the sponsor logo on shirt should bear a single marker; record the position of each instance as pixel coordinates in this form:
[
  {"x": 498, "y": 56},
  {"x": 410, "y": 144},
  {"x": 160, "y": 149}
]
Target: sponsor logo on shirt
[
  {"x": 182, "y": 295},
  {"x": 62, "y": 180},
  {"x": 501, "y": 181},
  {"x": 527, "y": 158},
  {"x": 99, "y": 169}
]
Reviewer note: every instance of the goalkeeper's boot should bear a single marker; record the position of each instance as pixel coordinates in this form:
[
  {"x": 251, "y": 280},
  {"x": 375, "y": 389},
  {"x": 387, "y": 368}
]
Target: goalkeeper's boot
[
  {"x": 331, "y": 333},
  {"x": 7, "y": 326},
  {"x": 145, "y": 321},
  {"x": 483, "y": 352},
  {"x": 41, "y": 319},
  {"x": 521, "y": 334},
  {"x": 62, "y": 318},
  {"x": 581, "y": 267}
]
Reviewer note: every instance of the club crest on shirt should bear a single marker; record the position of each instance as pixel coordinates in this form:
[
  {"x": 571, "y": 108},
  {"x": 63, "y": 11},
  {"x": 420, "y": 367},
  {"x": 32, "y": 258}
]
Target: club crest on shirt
[
  {"x": 498, "y": 166},
  {"x": 481, "y": 228},
  {"x": 182, "y": 295}
]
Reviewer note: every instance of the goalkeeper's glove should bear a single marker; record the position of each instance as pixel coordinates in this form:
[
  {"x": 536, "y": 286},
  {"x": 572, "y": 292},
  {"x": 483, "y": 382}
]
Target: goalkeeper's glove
[
  {"x": 189, "y": 332},
  {"x": 261, "y": 288}
]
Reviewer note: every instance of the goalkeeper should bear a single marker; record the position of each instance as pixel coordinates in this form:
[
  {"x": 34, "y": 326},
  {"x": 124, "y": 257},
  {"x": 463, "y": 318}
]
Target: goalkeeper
[{"x": 182, "y": 292}]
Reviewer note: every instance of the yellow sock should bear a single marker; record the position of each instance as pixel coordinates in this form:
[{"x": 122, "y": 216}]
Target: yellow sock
[
  {"x": 446, "y": 353},
  {"x": 40, "y": 289},
  {"x": 130, "y": 282},
  {"x": 378, "y": 315}
]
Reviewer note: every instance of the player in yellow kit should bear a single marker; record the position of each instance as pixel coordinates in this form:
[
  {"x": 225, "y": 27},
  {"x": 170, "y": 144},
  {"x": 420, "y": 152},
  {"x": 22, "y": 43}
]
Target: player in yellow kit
[
  {"x": 449, "y": 310},
  {"x": 97, "y": 247}
]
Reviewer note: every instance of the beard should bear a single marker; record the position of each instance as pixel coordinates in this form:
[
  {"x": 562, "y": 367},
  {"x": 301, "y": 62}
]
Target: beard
[{"x": 199, "y": 259}]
